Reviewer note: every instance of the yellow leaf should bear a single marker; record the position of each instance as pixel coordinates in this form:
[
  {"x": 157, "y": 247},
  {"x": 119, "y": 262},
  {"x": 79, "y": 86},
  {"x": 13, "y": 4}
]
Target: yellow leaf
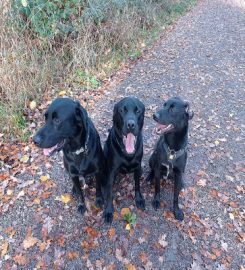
[
  {"x": 65, "y": 198},
  {"x": 128, "y": 227},
  {"x": 62, "y": 93},
  {"x": 216, "y": 142},
  {"x": 24, "y": 159},
  {"x": 125, "y": 211},
  {"x": 33, "y": 105},
  {"x": 36, "y": 201},
  {"x": 44, "y": 178},
  {"x": 29, "y": 242},
  {"x": 4, "y": 249},
  {"x": 130, "y": 266},
  {"x": 10, "y": 192},
  {"x": 24, "y": 3}
]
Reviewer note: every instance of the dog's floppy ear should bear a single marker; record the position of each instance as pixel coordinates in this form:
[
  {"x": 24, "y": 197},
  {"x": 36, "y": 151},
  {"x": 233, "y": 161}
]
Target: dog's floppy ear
[
  {"x": 187, "y": 110},
  {"x": 142, "y": 115},
  {"x": 81, "y": 114}
]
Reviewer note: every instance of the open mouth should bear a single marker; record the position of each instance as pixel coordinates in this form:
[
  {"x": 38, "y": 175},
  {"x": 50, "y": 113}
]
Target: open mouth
[
  {"x": 161, "y": 129},
  {"x": 129, "y": 141},
  {"x": 50, "y": 151}
]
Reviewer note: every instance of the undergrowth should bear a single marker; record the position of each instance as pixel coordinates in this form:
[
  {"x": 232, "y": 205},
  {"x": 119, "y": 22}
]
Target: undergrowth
[{"x": 42, "y": 42}]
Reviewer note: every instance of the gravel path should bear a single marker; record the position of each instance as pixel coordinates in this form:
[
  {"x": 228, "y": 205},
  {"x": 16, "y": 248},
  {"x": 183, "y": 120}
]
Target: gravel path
[{"x": 202, "y": 59}]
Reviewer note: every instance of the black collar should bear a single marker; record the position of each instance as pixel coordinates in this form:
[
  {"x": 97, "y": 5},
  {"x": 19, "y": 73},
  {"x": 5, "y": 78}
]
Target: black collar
[
  {"x": 172, "y": 154},
  {"x": 84, "y": 149}
]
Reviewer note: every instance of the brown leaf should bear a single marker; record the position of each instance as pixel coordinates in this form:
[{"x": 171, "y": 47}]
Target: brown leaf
[
  {"x": 61, "y": 240},
  {"x": 20, "y": 259},
  {"x": 72, "y": 255},
  {"x": 125, "y": 211},
  {"x": 4, "y": 249},
  {"x": 30, "y": 241},
  {"x": 91, "y": 232},
  {"x": 143, "y": 257},
  {"x": 111, "y": 233},
  {"x": 130, "y": 266}
]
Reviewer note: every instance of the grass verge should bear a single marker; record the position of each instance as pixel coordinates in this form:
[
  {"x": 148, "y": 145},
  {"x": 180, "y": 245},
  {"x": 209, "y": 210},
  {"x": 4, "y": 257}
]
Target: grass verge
[{"x": 100, "y": 35}]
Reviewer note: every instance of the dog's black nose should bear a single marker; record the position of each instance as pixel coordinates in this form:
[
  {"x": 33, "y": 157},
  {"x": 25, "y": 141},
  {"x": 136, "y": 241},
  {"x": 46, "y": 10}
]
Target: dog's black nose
[
  {"x": 156, "y": 116},
  {"x": 131, "y": 124},
  {"x": 37, "y": 139}
]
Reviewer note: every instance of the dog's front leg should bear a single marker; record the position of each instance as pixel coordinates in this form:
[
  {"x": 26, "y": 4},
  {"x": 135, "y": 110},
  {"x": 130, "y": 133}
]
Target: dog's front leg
[
  {"x": 109, "y": 209},
  {"x": 78, "y": 191},
  {"x": 139, "y": 200},
  {"x": 156, "y": 200},
  {"x": 99, "y": 198},
  {"x": 178, "y": 213}
]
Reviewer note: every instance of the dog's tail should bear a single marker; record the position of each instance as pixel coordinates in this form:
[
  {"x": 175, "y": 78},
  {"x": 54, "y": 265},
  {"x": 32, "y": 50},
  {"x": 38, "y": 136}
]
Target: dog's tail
[{"x": 150, "y": 177}]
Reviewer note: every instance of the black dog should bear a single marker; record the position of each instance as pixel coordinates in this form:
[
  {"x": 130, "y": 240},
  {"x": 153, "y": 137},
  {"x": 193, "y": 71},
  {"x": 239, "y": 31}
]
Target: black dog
[
  {"x": 124, "y": 149},
  {"x": 68, "y": 127},
  {"x": 170, "y": 155}
]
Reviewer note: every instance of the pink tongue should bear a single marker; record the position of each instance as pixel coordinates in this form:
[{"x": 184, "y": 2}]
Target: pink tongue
[
  {"x": 130, "y": 143},
  {"x": 47, "y": 151}
]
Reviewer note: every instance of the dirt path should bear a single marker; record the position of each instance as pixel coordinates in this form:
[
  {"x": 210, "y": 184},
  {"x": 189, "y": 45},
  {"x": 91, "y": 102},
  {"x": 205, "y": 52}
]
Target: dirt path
[{"x": 202, "y": 60}]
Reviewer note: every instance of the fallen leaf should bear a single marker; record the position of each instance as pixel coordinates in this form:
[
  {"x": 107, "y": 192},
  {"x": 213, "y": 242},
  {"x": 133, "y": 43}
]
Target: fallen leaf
[
  {"x": 130, "y": 266},
  {"x": 44, "y": 178},
  {"x": 30, "y": 241},
  {"x": 20, "y": 259},
  {"x": 24, "y": 159},
  {"x": 224, "y": 246},
  {"x": 162, "y": 241},
  {"x": 62, "y": 93},
  {"x": 65, "y": 198},
  {"x": 4, "y": 249},
  {"x": 91, "y": 232},
  {"x": 61, "y": 240},
  {"x": 202, "y": 182},
  {"x": 125, "y": 211},
  {"x": 72, "y": 255},
  {"x": 128, "y": 227},
  {"x": 33, "y": 103},
  {"x": 111, "y": 233}
]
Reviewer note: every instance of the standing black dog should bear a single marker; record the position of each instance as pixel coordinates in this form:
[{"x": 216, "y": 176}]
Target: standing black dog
[
  {"x": 170, "y": 155},
  {"x": 124, "y": 149},
  {"x": 68, "y": 127}
]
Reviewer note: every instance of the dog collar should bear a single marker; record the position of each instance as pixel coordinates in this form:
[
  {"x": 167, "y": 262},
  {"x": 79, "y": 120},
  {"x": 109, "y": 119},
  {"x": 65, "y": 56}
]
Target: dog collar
[
  {"x": 83, "y": 149},
  {"x": 172, "y": 154}
]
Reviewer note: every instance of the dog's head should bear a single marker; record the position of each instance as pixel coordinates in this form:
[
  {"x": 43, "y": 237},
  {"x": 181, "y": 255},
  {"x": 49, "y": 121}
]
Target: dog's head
[
  {"x": 173, "y": 117},
  {"x": 64, "y": 119},
  {"x": 128, "y": 120}
]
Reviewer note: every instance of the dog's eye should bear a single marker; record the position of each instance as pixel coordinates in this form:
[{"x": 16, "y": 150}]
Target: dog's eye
[
  {"x": 57, "y": 121},
  {"x": 138, "y": 111},
  {"x": 171, "y": 108},
  {"x": 165, "y": 104},
  {"x": 121, "y": 110}
]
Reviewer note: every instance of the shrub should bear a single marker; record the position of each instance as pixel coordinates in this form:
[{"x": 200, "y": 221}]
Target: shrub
[{"x": 81, "y": 40}]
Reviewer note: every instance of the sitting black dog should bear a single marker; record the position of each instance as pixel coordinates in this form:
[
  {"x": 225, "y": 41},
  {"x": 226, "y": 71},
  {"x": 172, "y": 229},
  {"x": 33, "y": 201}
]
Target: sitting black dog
[
  {"x": 68, "y": 127},
  {"x": 124, "y": 149},
  {"x": 170, "y": 155}
]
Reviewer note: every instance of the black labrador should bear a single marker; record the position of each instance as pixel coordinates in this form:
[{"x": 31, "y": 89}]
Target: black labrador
[
  {"x": 170, "y": 154},
  {"x": 124, "y": 149},
  {"x": 68, "y": 127}
]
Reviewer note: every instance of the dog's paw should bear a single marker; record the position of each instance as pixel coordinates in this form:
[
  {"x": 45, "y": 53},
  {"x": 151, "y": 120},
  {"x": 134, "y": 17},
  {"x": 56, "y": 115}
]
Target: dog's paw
[
  {"x": 178, "y": 214},
  {"x": 99, "y": 202},
  {"x": 156, "y": 203},
  {"x": 81, "y": 208},
  {"x": 108, "y": 216}
]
